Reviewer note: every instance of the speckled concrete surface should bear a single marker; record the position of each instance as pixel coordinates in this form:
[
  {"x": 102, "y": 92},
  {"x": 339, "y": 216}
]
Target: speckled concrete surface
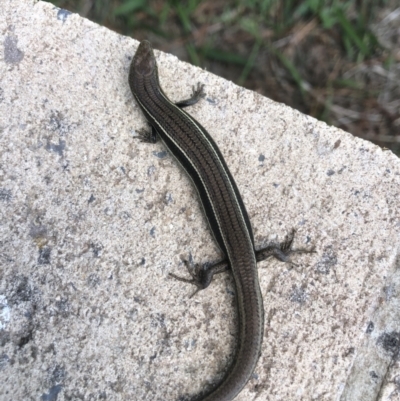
[{"x": 92, "y": 221}]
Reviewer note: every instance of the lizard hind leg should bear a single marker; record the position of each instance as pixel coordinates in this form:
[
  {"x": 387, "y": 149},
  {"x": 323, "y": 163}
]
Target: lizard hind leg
[
  {"x": 202, "y": 274},
  {"x": 281, "y": 251}
]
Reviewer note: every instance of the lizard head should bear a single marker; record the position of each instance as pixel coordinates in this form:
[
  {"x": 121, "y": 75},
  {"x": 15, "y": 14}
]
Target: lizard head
[{"x": 144, "y": 62}]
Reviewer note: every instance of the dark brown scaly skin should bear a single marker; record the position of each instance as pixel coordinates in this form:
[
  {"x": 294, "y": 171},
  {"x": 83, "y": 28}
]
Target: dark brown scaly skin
[{"x": 198, "y": 154}]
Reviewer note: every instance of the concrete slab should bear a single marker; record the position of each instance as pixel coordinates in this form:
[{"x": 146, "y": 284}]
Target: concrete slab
[{"x": 92, "y": 221}]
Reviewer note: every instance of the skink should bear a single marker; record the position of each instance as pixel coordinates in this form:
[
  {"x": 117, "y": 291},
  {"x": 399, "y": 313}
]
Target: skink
[{"x": 198, "y": 154}]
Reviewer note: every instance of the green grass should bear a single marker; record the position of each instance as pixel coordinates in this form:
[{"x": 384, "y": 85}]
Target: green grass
[{"x": 248, "y": 15}]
